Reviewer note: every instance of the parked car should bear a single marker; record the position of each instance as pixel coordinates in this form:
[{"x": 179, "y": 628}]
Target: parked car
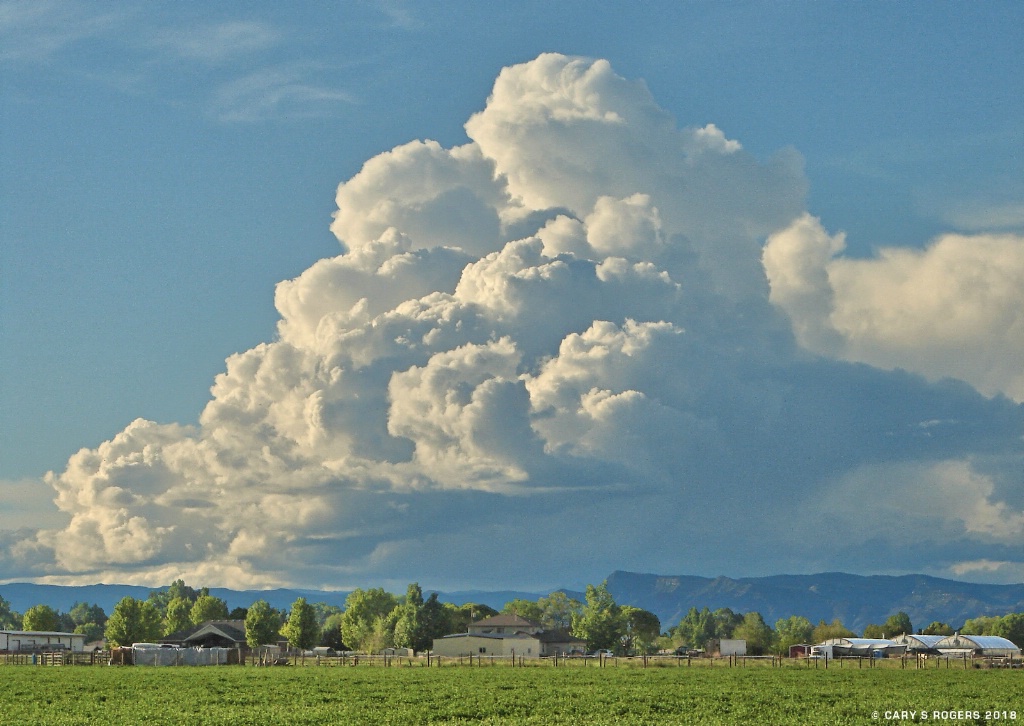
[{"x": 604, "y": 651}]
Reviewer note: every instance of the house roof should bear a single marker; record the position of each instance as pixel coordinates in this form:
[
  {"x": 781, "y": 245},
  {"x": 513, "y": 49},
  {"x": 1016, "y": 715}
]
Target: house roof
[
  {"x": 230, "y": 629},
  {"x": 43, "y": 632},
  {"x": 494, "y": 636},
  {"x": 505, "y": 620}
]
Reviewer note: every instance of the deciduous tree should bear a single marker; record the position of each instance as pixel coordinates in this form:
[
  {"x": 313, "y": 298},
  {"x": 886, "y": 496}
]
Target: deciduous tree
[
  {"x": 133, "y": 621},
  {"x": 791, "y": 631},
  {"x": 359, "y": 621},
  {"x": 758, "y": 634},
  {"x": 937, "y": 628},
  {"x": 898, "y": 624},
  {"x": 41, "y": 618},
  {"x": 557, "y": 610},
  {"x": 82, "y": 613},
  {"x": 179, "y": 615},
  {"x": 696, "y": 628},
  {"x": 262, "y": 624},
  {"x": 9, "y": 619},
  {"x": 600, "y": 621},
  {"x": 91, "y": 631},
  {"x": 208, "y": 607},
  {"x": 301, "y": 629},
  {"x": 641, "y": 629},
  {"x": 1011, "y": 627},
  {"x": 827, "y": 631},
  {"x": 529, "y": 609},
  {"x": 408, "y": 629}
]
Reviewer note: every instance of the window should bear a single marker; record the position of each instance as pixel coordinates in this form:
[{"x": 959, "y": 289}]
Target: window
[{"x": 483, "y": 650}]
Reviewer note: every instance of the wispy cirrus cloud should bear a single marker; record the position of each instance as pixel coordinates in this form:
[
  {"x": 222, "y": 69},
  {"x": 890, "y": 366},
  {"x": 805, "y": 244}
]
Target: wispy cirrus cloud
[
  {"x": 36, "y": 31},
  {"x": 219, "y": 42},
  {"x": 282, "y": 91}
]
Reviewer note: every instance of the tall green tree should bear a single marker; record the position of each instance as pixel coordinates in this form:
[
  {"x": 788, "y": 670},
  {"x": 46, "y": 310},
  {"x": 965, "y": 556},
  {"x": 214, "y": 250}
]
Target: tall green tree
[
  {"x": 462, "y": 615},
  {"x": 41, "y": 618},
  {"x": 91, "y": 631},
  {"x": 208, "y": 607},
  {"x": 794, "y": 630},
  {"x": 330, "y": 632},
  {"x": 827, "y": 631},
  {"x": 938, "y": 628},
  {"x": 898, "y": 624},
  {"x": 435, "y": 622},
  {"x": 82, "y": 613},
  {"x": 758, "y": 634},
  {"x": 262, "y": 624},
  {"x": 301, "y": 629},
  {"x": 324, "y": 611},
  {"x": 873, "y": 630},
  {"x": 408, "y": 629},
  {"x": 9, "y": 619},
  {"x": 179, "y": 615},
  {"x": 529, "y": 609},
  {"x": 359, "y": 620},
  {"x": 982, "y": 625},
  {"x": 641, "y": 629},
  {"x": 726, "y": 622},
  {"x": 383, "y": 633},
  {"x": 696, "y": 628},
  {"x": 133, "y": 621},
  {"x": 600, "y": 620},
  {"x": 557, "y": 610},
  {"x": 1011, "y": 627},
  {"x": 162, "y": 598}
]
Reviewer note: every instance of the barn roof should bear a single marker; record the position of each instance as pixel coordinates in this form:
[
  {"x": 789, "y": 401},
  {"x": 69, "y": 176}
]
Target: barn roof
[{"x": 230, "y": 629}]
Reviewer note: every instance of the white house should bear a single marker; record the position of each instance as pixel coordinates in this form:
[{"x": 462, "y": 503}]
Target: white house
[{"x": 25, "y": 640}]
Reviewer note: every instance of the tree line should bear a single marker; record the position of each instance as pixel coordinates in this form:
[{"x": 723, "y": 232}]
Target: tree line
[{"x": 374, "y": 619}]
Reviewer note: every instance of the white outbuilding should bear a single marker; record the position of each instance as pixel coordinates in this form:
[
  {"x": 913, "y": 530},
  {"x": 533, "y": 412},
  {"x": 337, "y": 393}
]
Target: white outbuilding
[{"x": 13, "y": 641}]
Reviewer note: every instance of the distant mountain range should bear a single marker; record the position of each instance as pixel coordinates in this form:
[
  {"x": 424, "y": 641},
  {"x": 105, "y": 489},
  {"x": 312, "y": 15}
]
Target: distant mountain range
[{"x": 856, "y": 600}]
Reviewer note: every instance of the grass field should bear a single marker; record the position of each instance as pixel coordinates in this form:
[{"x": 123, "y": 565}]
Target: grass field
[{"x": 295, "y": 695}]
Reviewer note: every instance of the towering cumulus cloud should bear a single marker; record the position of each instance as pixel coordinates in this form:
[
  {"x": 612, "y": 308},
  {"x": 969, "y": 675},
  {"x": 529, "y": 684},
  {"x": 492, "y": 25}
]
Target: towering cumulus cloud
[{"x": 587, "y": 339}]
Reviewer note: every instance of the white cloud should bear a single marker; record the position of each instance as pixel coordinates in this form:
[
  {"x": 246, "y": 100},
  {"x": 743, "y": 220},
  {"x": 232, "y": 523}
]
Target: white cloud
[
  {"x": 218, "y": 42},
  {"x": 39, "y": 30},
  {"x": 272, "y": 92},
  {"x": 560, "y": 327},
  {"x": 954, "y": 309}
]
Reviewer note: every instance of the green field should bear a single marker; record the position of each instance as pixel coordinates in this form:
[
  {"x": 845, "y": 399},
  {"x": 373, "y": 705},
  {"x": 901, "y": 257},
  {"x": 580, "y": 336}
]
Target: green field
[{"x": 539, "y": 695}]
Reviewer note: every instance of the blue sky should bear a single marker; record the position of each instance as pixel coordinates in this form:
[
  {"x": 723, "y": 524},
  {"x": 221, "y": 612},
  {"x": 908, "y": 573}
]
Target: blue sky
[{"x": 165, "y": 166}]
